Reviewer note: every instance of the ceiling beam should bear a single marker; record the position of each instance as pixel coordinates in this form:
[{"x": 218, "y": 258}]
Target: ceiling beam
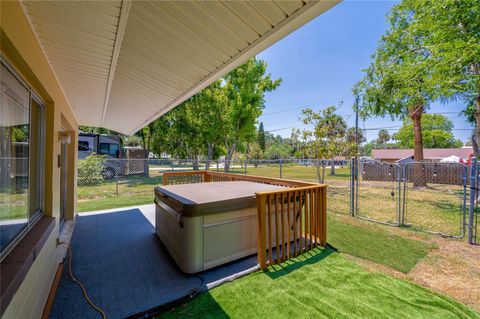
[{"x": 122, "y": 23}]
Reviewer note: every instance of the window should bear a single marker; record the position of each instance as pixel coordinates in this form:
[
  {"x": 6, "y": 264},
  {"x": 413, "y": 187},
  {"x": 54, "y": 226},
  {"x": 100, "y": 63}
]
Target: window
[
  {"x": 83, "y": 146},
  {"x": 109, "y": 149},
  {"x": 22, "y": 155}
]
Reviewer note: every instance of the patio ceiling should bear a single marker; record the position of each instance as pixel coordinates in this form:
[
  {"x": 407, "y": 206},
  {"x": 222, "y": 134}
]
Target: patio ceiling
[{"x": 123, "y": 64}]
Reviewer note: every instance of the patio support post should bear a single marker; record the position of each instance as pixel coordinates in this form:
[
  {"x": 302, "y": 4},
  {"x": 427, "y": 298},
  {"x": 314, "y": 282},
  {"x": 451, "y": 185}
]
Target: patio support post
[{"x": 473, "y": 195}]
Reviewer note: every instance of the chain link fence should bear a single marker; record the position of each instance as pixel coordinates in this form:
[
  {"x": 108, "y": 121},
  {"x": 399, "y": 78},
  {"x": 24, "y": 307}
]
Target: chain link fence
[
  {"x": 429, "y": 197},
  {"x": 474, "y": 203},
  {"x": 378, "y": 196},
  {"x": 435, "y": 197}
]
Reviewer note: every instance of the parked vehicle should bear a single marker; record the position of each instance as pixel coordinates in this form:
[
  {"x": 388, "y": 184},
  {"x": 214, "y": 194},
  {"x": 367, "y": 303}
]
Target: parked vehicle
[{"x": 111, "y": 146}]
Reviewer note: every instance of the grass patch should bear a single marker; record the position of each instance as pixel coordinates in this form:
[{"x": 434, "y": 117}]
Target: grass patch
[
  {"x": 114, "y": 201},
  {"x": 320, "y": 284},
  {"x": 375, "y": 243}
]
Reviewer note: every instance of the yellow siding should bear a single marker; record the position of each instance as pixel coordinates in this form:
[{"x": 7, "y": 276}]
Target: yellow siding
[{"x": 22, "y": 50}]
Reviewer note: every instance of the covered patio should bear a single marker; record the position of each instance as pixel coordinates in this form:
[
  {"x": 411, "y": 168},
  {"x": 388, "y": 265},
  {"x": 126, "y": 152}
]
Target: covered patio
[
  {"x": 126, "y": 269},
  {"x": 118, "y": 65}
]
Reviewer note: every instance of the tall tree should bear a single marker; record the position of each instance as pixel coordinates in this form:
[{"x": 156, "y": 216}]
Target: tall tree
[
  {"x": 450, "y": 32},
  {"x": 208, "y": 106},
  {"x": 261, "y": 137},
  {"x": 146, "y": 136},
  {"x": 245, "y": 89},
  {"x": 399, "y": 81},
  {"x": 350, "y": 144},
  {"x": 383, "y": 137},
  {"x": 437, "y": 133},
  {"x": 325, "y": 139}
]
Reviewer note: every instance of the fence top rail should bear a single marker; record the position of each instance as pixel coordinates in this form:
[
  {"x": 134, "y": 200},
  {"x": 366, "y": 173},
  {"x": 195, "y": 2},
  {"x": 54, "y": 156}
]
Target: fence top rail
[
  {"x": 185, "y": 173},
  {"x": 261, "y": 179},
  {"x": 290, "y": 190}
]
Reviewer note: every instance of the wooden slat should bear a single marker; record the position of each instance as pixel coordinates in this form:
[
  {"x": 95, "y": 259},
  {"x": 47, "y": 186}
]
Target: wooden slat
[
  {"x": 261, "y": 251},
  {"x": 323, "y": 217},
  {"x": 301, "y": 213},
  {"x": 289, "y": 224},
  {"x": 277, "y": 238},
  {"x": 312, "y": 218},
  {"x": 295, "y": 235},
  {"x": 269, "y": 215}
]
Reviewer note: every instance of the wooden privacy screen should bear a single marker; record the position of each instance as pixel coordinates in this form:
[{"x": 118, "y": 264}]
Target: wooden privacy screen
[{"x": 291, "y": 221}]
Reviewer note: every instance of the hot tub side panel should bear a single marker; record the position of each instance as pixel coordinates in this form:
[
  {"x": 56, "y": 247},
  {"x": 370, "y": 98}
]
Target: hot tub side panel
[
  {"x": 229, "y": 236},
  {"x": 181, "y": 236}
]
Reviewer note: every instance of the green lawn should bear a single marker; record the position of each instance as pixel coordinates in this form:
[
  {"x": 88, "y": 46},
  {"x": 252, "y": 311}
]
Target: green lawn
[
  {"x": 320, "y": 284},
  {"x": 132, "y": 190}
]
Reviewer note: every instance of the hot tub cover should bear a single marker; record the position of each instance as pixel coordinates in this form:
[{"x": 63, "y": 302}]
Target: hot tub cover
[{"x": 209, "y": 198}]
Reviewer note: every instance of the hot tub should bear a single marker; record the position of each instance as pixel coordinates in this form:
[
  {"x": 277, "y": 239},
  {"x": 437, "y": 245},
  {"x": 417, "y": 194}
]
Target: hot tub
[{"x": 205, "y": 225}]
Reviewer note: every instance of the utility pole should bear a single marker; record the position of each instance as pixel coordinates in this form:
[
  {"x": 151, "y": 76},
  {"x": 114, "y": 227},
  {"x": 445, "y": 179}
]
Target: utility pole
[
  {"x": 354, "y": 188},
  {"x": 357, "y": 106}
]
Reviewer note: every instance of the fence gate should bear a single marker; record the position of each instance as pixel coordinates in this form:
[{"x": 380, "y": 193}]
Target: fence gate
[
  {"x": 377, "y": 193},
  {"x": 474, "y": 203},
  {"x": 435, "y": 197}
]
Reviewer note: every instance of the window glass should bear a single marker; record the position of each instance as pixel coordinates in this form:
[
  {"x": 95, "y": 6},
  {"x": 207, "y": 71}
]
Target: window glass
[
  {"x": 114, "y": 150},
  {"x": 14, "y": 161},
  {"x": 109, "y": 149},
  {"x": 104, "y": 148},
  {"x": 21, "y": 158},
  {"x": 83, "y": 146}
]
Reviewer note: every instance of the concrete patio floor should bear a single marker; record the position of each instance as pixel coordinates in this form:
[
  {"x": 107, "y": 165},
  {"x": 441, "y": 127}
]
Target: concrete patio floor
[{"x": 125, "y": 268}]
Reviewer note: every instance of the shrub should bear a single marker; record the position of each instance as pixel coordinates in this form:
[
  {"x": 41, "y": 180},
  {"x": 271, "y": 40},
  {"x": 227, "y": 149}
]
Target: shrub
[{"x": 90, "y": 170}]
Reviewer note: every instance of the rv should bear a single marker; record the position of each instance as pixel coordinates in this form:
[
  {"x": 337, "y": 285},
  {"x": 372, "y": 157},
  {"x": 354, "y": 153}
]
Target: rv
[{"x": 120, "y": 160}]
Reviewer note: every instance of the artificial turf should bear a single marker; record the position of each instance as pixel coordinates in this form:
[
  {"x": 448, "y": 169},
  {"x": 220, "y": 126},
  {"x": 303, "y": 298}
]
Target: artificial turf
[
  {"x": 375, "y": 243},
  {"x": 320, "y": 284}
]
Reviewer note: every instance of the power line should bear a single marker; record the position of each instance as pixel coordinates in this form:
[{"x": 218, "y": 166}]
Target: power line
[
  {"x": 300, "y": 107},
  {"x": 280, "y": 129}
]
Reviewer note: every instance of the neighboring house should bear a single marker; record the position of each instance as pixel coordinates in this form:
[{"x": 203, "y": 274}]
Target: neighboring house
[
  {"x": 430, "y": 154},
  {"x": 113, "y": 64}
]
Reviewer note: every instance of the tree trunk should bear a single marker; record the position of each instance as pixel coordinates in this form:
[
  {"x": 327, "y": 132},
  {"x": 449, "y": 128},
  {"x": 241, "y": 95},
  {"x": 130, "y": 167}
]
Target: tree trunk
[
  {"x": 195, "y": 162},
  {"x": 323, "y": 171},
  {"x": 418, "y": 172},
  {"x": 476, "y": 138},
  {"x": 319, "y": 176},
  {"x": 209, "y": 156},
  {"x": 332, "y": 168},
  {"x": 228, "y": 157}
]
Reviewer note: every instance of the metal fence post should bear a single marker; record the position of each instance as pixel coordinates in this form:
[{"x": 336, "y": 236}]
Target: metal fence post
[
  {"x": 352, "y": 188},
  {"x": 473, "y": 194},
  {"x": 280, "y": 168},
  {"x": 116, "y": 182},
  {"x": 464, "y": 212},
  {"x": 356, "y": 180},
  {"x": 400, "y": 208}
]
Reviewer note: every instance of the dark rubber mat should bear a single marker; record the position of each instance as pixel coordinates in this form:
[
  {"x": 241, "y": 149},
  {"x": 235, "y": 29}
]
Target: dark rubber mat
[{"x": 125, "y": 268}]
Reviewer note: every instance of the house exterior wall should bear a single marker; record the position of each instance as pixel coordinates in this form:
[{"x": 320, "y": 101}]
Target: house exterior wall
[{"x": 22, "y": 51}]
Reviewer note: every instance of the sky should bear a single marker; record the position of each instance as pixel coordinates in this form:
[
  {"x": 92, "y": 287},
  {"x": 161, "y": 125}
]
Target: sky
[{"x": 320, "y": 62}]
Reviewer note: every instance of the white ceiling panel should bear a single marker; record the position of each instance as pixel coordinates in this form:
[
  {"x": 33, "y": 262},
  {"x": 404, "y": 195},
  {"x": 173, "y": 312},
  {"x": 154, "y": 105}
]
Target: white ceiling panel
[{"x": 123, "y": 64}]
